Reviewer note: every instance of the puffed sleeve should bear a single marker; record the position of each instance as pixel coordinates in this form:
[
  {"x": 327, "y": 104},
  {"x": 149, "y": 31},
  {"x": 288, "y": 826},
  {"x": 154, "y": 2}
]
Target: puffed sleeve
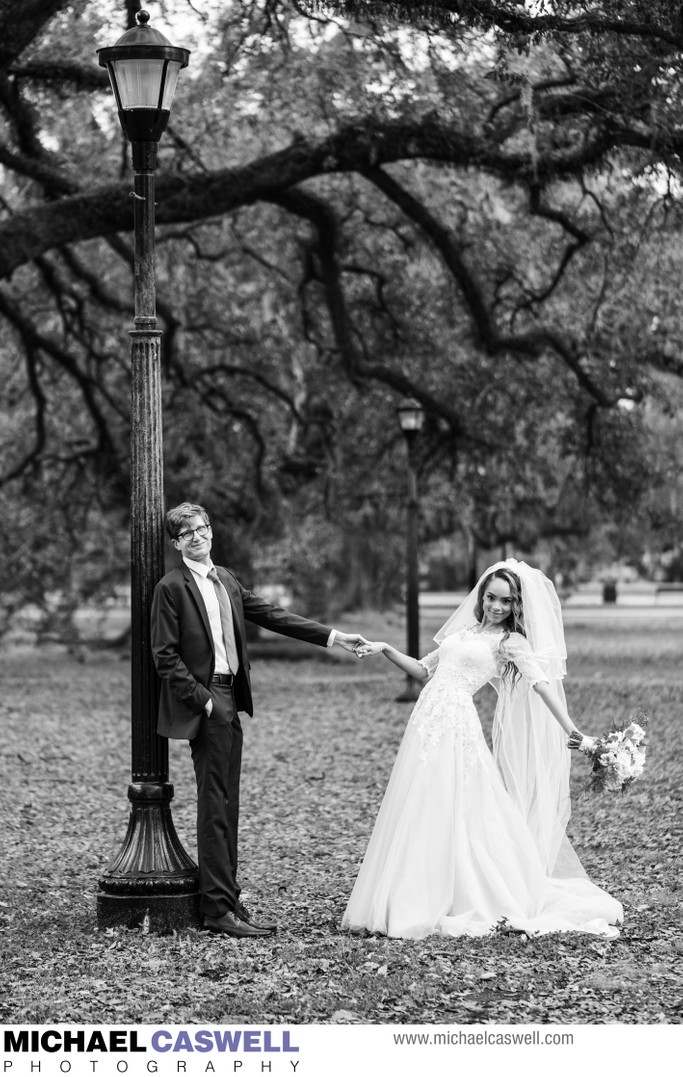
[
  {"x": 430, "y": 662},
  {"x": 516, "y": 649}
]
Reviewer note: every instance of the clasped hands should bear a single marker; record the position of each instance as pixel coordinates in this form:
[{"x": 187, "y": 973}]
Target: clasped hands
[
  {"x": 357, "y": 644},
  {"x": 366, "y": 648}
]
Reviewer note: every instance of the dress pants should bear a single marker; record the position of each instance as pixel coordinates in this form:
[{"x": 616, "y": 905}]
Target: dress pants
[{"x": 217, "y": 758}]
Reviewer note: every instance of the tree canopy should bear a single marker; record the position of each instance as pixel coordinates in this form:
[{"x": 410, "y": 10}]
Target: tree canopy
[{"x": 474, "y": 204}]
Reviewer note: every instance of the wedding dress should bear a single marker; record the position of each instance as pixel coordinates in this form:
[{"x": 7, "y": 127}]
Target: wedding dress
[{"x": 454, "y": 851}]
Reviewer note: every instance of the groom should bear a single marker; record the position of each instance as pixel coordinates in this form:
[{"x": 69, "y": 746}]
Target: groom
[{"x": 200, "y": 651}]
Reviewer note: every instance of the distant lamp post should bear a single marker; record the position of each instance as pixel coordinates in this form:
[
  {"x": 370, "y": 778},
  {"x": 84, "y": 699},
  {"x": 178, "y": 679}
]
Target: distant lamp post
[
  {"x": 411, "y": 419},
  {"x": 152, "y": 881}
]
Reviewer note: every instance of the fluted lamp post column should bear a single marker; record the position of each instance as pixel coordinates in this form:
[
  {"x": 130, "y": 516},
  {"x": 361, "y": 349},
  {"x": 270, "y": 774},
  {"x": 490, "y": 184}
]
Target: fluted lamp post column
[
  {"x": 152, "y": 882},
  {"x": 411, "y": 419}
]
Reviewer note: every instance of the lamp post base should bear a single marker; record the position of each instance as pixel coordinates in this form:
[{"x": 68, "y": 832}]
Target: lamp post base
[
  {"x": 411, "y": 691},
  {"x": 157, "y": 914},
  {"x": 153, "y": 884}
]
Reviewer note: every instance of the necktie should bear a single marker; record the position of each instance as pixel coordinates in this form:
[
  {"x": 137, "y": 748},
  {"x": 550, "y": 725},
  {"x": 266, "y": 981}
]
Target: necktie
[{"x": 227, "y": 624}]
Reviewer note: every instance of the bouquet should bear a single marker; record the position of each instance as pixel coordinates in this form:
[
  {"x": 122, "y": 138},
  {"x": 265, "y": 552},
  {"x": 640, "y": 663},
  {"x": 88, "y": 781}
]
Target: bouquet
[{"x": 618, "y": 757}]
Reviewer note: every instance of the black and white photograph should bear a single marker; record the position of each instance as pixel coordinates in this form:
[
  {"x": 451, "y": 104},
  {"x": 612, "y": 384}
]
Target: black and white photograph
[{"x": 341, "y": 499}]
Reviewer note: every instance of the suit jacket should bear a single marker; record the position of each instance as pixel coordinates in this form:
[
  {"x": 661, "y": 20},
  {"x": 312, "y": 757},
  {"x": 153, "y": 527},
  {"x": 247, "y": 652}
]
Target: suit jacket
[{"x": 183, "y": 649}]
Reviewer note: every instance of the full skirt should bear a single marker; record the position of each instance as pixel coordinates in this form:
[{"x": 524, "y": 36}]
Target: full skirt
[{"x": 451, "y": 854}]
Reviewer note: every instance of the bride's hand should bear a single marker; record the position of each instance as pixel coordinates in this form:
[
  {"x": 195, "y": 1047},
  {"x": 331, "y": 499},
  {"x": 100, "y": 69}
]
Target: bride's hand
[
  {"x": 362, "y": 650},
  {"x": 579, "y": 742}
]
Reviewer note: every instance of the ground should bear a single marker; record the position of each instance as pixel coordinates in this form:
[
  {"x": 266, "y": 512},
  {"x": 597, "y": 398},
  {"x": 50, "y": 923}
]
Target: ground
[{"x": 318, "y": 755}]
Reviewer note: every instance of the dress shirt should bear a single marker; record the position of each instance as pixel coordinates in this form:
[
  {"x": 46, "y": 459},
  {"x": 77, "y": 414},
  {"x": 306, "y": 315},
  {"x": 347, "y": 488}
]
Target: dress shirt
[{"x": 208, "y": 593}]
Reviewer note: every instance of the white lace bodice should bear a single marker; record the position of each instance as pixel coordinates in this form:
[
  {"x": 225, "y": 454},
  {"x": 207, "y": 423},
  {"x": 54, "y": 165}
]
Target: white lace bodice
[
  {"x": 472, "y": 658},
  {"x": 466, "y": 661}
]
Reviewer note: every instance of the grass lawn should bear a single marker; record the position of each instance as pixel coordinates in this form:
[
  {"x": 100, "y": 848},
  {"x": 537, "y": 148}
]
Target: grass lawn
[{"x": 317, "y": 758}]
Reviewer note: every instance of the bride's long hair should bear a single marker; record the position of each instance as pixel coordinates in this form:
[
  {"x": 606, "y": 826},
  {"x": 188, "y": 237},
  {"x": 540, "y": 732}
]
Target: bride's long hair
[{"x": 514, "y": 622}]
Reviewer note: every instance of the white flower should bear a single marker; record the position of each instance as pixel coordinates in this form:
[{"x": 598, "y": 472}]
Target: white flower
[{"x": 635, "y": 733}]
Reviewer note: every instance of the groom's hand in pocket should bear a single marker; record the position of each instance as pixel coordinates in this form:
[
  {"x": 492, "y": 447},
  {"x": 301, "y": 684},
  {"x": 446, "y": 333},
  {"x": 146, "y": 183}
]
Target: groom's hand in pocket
[{"x": 216, "y": 708}]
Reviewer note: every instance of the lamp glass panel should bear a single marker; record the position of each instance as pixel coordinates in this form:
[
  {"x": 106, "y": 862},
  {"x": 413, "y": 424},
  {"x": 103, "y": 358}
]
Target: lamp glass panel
[
  {"x": 172, "y": 72},
  {"x": 410, "y": 418},
  {"x": 139, "y": 82}
]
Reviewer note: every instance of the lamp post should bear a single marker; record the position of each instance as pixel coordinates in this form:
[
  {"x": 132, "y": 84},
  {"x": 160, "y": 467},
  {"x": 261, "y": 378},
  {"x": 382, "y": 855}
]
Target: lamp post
[
  {"x": 152, "y": 881},
  {"x": 411, "y": 420}
]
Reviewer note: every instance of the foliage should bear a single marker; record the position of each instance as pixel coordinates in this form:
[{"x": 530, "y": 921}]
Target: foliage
[
  {"x": 317, "y": 759},
  {"x": 467, "y": 203}
]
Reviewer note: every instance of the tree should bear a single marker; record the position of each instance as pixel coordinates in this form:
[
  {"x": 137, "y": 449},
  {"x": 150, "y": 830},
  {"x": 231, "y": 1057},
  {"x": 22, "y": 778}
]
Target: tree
[{"x": 461, "y": 202}]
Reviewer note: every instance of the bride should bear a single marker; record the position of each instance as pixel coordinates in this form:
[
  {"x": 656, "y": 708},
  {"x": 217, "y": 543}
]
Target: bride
[{"x": 466, "y": 841}]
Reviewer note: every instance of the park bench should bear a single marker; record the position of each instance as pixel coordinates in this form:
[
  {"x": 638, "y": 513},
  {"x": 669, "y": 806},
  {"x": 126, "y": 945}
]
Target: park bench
[{"x": 662, "y": 588}]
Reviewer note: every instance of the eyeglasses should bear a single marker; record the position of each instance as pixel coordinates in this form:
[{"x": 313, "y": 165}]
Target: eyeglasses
[{"x": 201, "y": 532}]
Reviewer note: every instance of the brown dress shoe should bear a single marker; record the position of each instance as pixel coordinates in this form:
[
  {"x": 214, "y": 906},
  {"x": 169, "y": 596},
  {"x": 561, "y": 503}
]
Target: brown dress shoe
[
  {"x": 229, "y": 924},
  {"x": 243, "y": 914}
]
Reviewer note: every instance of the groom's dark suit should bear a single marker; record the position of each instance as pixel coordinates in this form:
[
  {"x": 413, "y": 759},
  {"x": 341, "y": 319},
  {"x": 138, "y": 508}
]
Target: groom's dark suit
[{"x": 184, "y": 654}]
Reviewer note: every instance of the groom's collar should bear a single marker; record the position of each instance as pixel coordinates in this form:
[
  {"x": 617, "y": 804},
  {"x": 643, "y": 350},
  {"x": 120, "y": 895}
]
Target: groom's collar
[{"x": 198, "y": 567}]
